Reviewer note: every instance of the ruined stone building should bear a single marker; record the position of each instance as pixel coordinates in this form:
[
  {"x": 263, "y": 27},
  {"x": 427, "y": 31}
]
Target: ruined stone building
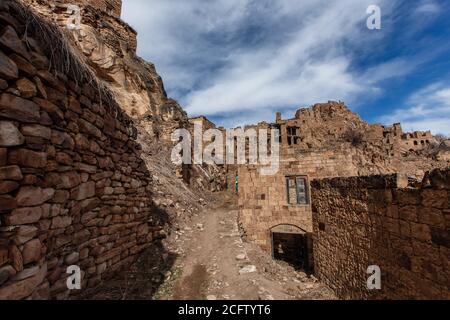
[
  {"x": 337, "y": 228},
  {"x": 86, "y": 176}
]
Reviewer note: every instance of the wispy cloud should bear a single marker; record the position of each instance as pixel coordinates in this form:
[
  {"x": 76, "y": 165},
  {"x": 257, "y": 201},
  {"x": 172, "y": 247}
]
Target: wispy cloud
[
  {"x": 237, "y": 60},
  {"x": 429, "y": 108},
  {"x": 428, "y": 7}
]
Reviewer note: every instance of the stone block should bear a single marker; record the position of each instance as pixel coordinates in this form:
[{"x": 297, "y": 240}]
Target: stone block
[
  {"x": 420, "y": 231},
  {"x": 23, "y": 216},
  {"x": 9, "y": 39},
  {"x": 33, "y": 196},
  {"x": 8, "y": 69},
  {"x": 10, "y": 135},
  {"x": 22, "y": 289},
  {"x": 27, "y": 158},
  {"x": 26, "y": 88},
  {"x": 18, "y": 109},
  {"x": 32, "y": 251}
]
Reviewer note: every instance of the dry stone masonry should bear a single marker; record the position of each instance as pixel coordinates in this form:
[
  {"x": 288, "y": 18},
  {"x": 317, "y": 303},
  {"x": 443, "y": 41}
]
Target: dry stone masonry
[
  {"x": 74, "y": 189},
  {"x": 378, "y": 220},
  {"x": 281, "y": 211}
]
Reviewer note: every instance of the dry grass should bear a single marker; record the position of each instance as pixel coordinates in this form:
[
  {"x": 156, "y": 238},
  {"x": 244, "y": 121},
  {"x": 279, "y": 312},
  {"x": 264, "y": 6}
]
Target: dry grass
[{"x": 63, "y": 56}]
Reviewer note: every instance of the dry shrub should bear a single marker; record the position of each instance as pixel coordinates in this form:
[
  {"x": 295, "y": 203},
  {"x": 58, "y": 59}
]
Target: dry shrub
[{"x": 354, "y": 136}]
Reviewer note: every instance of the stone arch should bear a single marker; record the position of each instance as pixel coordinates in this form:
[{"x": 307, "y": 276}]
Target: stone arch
[{"x": 291, "y": 244}]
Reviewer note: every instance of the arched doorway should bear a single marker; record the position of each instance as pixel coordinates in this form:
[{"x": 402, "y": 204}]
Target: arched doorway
[{"x": 290, "y": 244}]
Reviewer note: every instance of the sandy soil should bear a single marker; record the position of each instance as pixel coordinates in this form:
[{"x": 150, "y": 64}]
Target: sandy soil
[
  {"x": 216, "y": 264},
  {"x": 206, "y": 259}
]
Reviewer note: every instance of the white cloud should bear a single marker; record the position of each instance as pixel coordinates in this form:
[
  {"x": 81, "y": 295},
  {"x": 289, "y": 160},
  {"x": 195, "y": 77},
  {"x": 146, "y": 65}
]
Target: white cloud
[
  {"x": 428, "y": 7},
  {"x": 427, "y": 109},
  {"x": 248, "y": 58}
]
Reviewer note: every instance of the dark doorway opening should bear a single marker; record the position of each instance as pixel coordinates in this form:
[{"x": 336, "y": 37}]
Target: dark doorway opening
[{"x": 291, "y": 247}]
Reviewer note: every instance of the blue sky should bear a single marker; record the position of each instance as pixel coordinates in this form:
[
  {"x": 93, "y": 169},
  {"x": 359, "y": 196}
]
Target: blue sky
[{"x": 240, "y": 61}]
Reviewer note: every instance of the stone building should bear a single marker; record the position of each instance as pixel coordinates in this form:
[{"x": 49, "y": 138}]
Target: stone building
[{"x": 277, "y": 212}]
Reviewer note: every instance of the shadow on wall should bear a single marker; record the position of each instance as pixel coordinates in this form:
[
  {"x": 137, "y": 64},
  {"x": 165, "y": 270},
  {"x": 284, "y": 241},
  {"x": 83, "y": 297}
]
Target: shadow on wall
[{"x": 143, "y": 279}]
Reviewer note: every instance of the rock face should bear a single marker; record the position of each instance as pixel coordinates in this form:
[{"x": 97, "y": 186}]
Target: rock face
[
  {"x": 109, "y": 45},
  {"x": 74, "y": 188}
]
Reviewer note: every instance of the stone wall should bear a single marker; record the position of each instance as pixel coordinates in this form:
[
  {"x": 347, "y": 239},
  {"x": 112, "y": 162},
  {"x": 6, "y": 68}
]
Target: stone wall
[
  {"x": 359, "y": 222},
  {"x": 73, "y": 187},
  {"x": 263, "y": 202}
]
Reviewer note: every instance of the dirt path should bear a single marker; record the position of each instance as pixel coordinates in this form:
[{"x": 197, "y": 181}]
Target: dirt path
[{"x": 214, "y": 263}]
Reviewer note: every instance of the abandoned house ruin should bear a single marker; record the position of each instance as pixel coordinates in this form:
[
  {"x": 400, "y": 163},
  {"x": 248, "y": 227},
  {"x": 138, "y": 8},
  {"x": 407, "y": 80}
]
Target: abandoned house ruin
[{"x": 322, "y": 214}]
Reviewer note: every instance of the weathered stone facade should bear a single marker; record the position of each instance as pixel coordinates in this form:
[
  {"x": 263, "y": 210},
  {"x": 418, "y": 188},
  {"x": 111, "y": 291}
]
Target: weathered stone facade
[
  {"x": 73, "y": 187},
  {"x": 324, "y": 141},
  {"x": 377, "y": 220},
  {"x": 263, "y": 200}
]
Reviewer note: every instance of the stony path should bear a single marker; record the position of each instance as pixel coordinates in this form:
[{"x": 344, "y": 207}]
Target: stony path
[{"x": 214, "y": 263}]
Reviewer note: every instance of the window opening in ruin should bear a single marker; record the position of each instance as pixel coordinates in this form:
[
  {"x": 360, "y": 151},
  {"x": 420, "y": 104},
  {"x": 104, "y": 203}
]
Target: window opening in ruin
[
  {"x": 292, "y": 135},
  {"x": 290, "y": 244},
  {"x": 416, "y": 143},
  {"x": 297, "y": 190}
]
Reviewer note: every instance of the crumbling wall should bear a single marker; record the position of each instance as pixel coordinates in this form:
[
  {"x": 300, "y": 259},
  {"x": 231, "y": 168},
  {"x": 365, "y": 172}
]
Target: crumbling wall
[
  {"x": 365, "y": 221},
  {"x": 263, "y": 202},
  {"x": 73, "y": 187}
]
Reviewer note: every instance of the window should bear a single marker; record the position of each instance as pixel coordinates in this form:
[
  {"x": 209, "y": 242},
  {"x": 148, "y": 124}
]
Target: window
[
  {"x": 297, "y": 190},
  {"x": 292, "y": 135}
]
